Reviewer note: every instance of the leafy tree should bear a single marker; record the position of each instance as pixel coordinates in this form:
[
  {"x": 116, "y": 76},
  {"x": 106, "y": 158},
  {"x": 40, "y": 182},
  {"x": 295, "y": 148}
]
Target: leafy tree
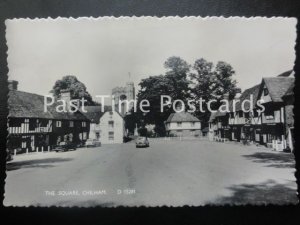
[
  {"x": 174, "y": 83},
  {"x": 77, "y": 89},
  {"x": 212, "y": 83},
  {"x": 176, "y": 75}
]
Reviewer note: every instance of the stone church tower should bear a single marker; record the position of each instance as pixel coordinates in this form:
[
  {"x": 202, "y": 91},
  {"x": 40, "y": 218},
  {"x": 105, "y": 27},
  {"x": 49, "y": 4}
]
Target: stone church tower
[{"x": 124, "y": 93}]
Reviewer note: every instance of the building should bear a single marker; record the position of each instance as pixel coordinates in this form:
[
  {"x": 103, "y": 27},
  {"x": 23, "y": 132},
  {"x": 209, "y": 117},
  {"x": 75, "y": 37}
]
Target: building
[
  {"x": 121, "y": 94},
  {"x": 288, "y": 99},
  {"x": 273, "y": 127},
  {"x": 32, "y": 129},
  {"x": 244, "y": 120},
  {"x": 107, "y": 126},
  {"x": 277, "y": 119},
  {"x": 93, "y": 114},
  {"x": 183, "y": 124}
]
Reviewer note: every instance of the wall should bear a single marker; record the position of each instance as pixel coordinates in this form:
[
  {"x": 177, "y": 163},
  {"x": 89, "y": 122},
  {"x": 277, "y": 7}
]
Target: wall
[
  {"x": 184, "y": 125},
  {"x": 118, "y": 128}
]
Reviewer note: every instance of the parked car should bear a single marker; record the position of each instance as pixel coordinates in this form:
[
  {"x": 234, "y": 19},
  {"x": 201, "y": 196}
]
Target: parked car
[
  {"x": 65, "y": 146},
  {"x": 142, "y": 142},
  {"x": 92, "y": 143},
  {"x": 9, "y": 155}
]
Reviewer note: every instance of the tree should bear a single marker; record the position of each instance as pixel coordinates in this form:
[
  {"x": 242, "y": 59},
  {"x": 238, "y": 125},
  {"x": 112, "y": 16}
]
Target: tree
[
  {"x": 174, "y": 83},
  {"x": 212, "y": 83},
  {"x": 77, "y": 89}
]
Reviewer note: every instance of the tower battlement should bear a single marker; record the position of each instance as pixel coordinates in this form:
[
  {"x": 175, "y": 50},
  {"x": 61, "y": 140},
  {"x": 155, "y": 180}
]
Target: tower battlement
[{"x": 123, "y": 93}]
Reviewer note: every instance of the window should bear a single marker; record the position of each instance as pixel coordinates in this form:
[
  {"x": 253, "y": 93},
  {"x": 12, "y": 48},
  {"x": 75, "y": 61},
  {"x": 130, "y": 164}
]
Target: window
[
  {"x": 110, "y": 124},
  {"x": 14, "y": 122},
  {"x": 192, "y": 124},
  {"x": 32, "y": 124},
  {"x": 255, "y": 113},
  {"x": 111, "y": 135},
  {"x": 83, "y": 124},
  {"x": 97, "y": 134},
  {"x": 179, "y": 124},
  {"x": 240, "y": 113},
  {"x": 71, "y": 124},
  {"x": 266, "y": 91},
  {"x": 43, "y": 123},
  {"x": 247, "y": 115},
  {"x": 269, "y": 115},
  {"x": 192, "y": 132},
  {"x": 58, "y": 123}
]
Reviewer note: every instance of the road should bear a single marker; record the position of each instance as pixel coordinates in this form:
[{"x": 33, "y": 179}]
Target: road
[{"x": 172, "y": 173}]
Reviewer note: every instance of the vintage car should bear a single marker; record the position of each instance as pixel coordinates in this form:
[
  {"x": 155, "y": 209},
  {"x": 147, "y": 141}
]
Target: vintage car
[
  {"x": 142, "y": 142},
  {"x": 65, "y": 146},
  {"x": 92, "y": 143}
]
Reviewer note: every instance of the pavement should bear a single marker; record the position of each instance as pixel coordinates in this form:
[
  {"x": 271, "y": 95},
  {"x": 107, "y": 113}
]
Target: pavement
[{"x": 169, "y": 172}]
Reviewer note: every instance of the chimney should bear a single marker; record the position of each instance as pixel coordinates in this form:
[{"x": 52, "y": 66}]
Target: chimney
[
  {"x": 13, "y": 85},
  {"x": 66, "y": 96}
]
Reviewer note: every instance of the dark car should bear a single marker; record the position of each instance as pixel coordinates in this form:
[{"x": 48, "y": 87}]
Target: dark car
[
  {"x": 142, "y": 142},
  {"x": 65, "y": 146},
  {"x": 9, "y": 155}
]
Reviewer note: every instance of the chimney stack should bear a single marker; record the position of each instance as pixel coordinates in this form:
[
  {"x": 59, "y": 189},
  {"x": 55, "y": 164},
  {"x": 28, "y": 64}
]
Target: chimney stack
[
  {"x": 66, "y": 96},
  {"x": 13, "y": 85}
]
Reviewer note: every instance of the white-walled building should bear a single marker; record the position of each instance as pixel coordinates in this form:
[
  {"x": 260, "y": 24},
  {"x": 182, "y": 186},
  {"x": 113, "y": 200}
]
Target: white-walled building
[
  {"x": 183, "y": 124},
  {"x": 107, "y": 126},
  {"x": 112, "y": 128}
]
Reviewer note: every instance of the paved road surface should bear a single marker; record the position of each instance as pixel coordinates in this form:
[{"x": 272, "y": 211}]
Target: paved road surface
[{"x": 173, "y": 173}]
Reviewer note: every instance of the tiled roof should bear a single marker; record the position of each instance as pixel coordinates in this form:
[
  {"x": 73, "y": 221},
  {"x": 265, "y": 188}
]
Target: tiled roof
[
  {"x": 182, "y": 117},
  {"x": 94, "y": 113},
  {"x": 286, "y": 74},
  {"x": 290, "y": 91},
  {"x": 246, "y": 96},
  {"x": 219, "y": 113},
  {"x": 28, "y": 105},
  {"x": 278, "y": 86}
]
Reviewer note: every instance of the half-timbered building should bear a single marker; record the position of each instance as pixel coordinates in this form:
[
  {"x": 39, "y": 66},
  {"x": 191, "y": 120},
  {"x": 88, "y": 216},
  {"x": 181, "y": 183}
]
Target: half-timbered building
[
  {"x": 243, "y": 117},
  {"x": 278, "y": 113},
  {"x": 31, "y": 128}
]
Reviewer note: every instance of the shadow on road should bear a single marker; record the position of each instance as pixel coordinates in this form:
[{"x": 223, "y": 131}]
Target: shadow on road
[
  {"x": 268, "y": 192},
  {"x": 275, "y": 159},
  {"x": 35, "y": 163}
]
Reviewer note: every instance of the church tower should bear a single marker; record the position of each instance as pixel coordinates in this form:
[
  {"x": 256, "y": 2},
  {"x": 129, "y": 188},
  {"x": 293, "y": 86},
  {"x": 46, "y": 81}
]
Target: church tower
[{"x": 124, "y": 93}]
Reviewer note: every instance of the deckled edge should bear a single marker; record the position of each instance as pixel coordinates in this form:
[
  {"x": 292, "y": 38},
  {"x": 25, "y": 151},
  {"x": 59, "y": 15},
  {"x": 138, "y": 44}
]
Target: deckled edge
[{"x": 50, "y": 19}]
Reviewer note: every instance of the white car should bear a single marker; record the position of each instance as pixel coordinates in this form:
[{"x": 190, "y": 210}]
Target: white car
[
  {"x": 142, "y": 142},
  {"x": 92, "y": 143}
]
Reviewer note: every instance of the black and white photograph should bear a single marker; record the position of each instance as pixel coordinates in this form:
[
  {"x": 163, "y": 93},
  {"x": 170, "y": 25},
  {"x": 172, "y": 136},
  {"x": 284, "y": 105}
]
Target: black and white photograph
[{"x": 148, "y": 111}]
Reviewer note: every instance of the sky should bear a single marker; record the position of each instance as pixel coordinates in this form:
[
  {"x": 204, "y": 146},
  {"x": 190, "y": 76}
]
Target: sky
[{"x": 101, "y": 52}]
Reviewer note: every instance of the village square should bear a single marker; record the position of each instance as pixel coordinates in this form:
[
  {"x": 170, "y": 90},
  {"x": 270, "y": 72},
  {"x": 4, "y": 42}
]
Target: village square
[
  {"x": 192, "y": 160},
  {"x": 150, "y": 112}
]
